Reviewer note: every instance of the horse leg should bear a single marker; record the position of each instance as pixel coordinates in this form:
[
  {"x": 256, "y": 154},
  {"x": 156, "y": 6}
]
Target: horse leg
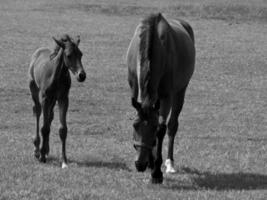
[
  {"x": 37, "y": 112},
  {"x": 157, "y": 176},
  {"x": 45, "y": 130},
  {"x": 50, "y": 119},
  {"x": 151, "y": 159},
  {"x": 63, "y": 105},
  {"x": 173, "y": 127}
]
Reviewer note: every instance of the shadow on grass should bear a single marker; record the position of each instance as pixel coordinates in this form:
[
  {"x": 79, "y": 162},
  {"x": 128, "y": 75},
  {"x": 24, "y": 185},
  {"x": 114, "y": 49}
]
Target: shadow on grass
[
  {"x": 218, "y": 181},
  {"x": 103, "y": 164},
  {"x": 89, "y": 163},
  {"x": 52, "y": 160}
]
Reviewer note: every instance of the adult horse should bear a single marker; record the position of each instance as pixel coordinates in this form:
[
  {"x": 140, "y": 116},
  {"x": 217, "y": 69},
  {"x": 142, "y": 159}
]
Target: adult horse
[
  {"x": 161, "y": 59},
  {"x": 50, "y": 83}
]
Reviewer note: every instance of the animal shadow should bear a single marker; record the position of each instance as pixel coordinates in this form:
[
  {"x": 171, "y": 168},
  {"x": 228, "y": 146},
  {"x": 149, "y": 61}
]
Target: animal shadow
[
  {"x": 115, "y": 165},
  {"x": 218, "y": 181},
  {"x": 102, "y": 164}
]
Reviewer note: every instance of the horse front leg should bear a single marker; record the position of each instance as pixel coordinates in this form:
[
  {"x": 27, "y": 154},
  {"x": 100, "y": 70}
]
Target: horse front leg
[
  {"x": 165, "y": 103},
  {"x": 63, "y": 105},
  {"x": 172, "y": 129},
  {"x": 157, "y": 176}
]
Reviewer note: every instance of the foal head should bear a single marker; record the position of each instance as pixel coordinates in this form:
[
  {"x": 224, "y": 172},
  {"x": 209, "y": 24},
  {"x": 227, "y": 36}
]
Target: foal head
[{"x": 72, "y": 55}]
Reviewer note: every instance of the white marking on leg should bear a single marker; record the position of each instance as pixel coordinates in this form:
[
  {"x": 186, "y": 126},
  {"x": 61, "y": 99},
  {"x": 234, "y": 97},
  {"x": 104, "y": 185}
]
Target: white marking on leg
[
  {"x": 64, "y": 165},
  {"x": 170, "y": 166}
]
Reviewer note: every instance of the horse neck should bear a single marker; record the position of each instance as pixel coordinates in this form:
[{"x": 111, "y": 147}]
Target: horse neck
[
  {"x": 149, "y": 92},
  {"x": 59, "y": 65},
  {"x": 153, "y": 51}
]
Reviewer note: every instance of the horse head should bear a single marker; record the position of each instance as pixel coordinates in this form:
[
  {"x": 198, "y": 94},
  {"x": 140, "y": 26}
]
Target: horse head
[
  {"x": 72, "y": 55},
  {"x": 144, "y": 133}
]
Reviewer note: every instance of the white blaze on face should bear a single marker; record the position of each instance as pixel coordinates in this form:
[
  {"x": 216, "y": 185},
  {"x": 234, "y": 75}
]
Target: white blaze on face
[{"x": 138, "y": 72}]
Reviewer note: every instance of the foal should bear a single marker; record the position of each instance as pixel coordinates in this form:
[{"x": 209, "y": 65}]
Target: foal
[{"x": 50, "y": 83}]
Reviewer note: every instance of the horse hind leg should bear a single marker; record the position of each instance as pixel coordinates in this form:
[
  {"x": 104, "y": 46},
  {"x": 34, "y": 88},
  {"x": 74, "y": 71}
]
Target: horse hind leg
[
  {"x": 172, "y": 129},
  {"x": 37, "y": 112},
  {"x": 156, "y": 174},
  {"x": 47, "y": 107},
  {"x": 50, "y": 119}
]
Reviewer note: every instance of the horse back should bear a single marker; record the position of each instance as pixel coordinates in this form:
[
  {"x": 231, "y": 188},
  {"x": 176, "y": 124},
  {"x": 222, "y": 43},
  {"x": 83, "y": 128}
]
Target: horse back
[
  {"x": 39, "y": 61},
  {"x": 184, "y": 57}
]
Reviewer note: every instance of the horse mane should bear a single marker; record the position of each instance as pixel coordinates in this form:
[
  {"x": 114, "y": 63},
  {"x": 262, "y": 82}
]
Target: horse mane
[
  {"x": 63, "y": 38},
  {"x": 146, "y": 36},
  {"x": 55, "y": 52}
]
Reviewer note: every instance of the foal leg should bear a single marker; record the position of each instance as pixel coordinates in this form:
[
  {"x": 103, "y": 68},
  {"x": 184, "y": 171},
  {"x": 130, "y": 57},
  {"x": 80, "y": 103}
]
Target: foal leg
[
  {"x": 37, "y": 112},
  {"x": 63, "y": 105},
  {"x": 47, "y": 106},
  {"x": 173, "y": 127},
  {"x": 50, "y": 119},
  {"x": 157, "y": 176}
]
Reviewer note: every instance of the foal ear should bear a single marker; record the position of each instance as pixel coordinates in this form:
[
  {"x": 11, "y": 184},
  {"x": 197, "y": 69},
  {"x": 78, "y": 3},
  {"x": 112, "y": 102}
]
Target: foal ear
[
  {"x": 77, "y": 40},
  {"x": 136, "y": 104},
  {"x": 59, "y": 43}
]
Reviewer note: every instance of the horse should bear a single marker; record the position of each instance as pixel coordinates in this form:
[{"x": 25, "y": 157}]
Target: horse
[
  {"x": 161, "y": 62},
  {"x": 50, "y": 82}
]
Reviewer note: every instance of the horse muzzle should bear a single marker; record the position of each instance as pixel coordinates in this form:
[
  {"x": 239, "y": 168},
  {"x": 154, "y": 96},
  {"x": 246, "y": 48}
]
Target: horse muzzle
[
  {"x": 81, "y": 76},
  {"x": 140, "y": 167}
]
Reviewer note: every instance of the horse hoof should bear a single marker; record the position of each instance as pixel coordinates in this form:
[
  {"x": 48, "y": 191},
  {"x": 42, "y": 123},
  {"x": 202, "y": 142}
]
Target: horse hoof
[
  {"x": 37, "y": 154},
  {"x": 42, "y": 159},
  {"x": 150, "y": 166},
  {"x": 64, "y": 165},
  {"x": 157, "y": 180}
]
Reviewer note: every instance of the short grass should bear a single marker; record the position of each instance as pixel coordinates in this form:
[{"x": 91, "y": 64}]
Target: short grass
[{"x": 221, "y": 146}]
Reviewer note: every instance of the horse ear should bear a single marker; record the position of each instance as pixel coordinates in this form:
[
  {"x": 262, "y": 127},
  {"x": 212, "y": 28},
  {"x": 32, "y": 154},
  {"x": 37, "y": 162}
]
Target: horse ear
[
  {"x": 136, "y": 104},
  {"x": 59, "y": 43},
  {"x": 78, "y": 40}
]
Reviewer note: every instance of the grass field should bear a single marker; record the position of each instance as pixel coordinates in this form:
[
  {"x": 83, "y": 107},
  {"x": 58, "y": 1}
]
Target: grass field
[{"x": 221, "y": 146}]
